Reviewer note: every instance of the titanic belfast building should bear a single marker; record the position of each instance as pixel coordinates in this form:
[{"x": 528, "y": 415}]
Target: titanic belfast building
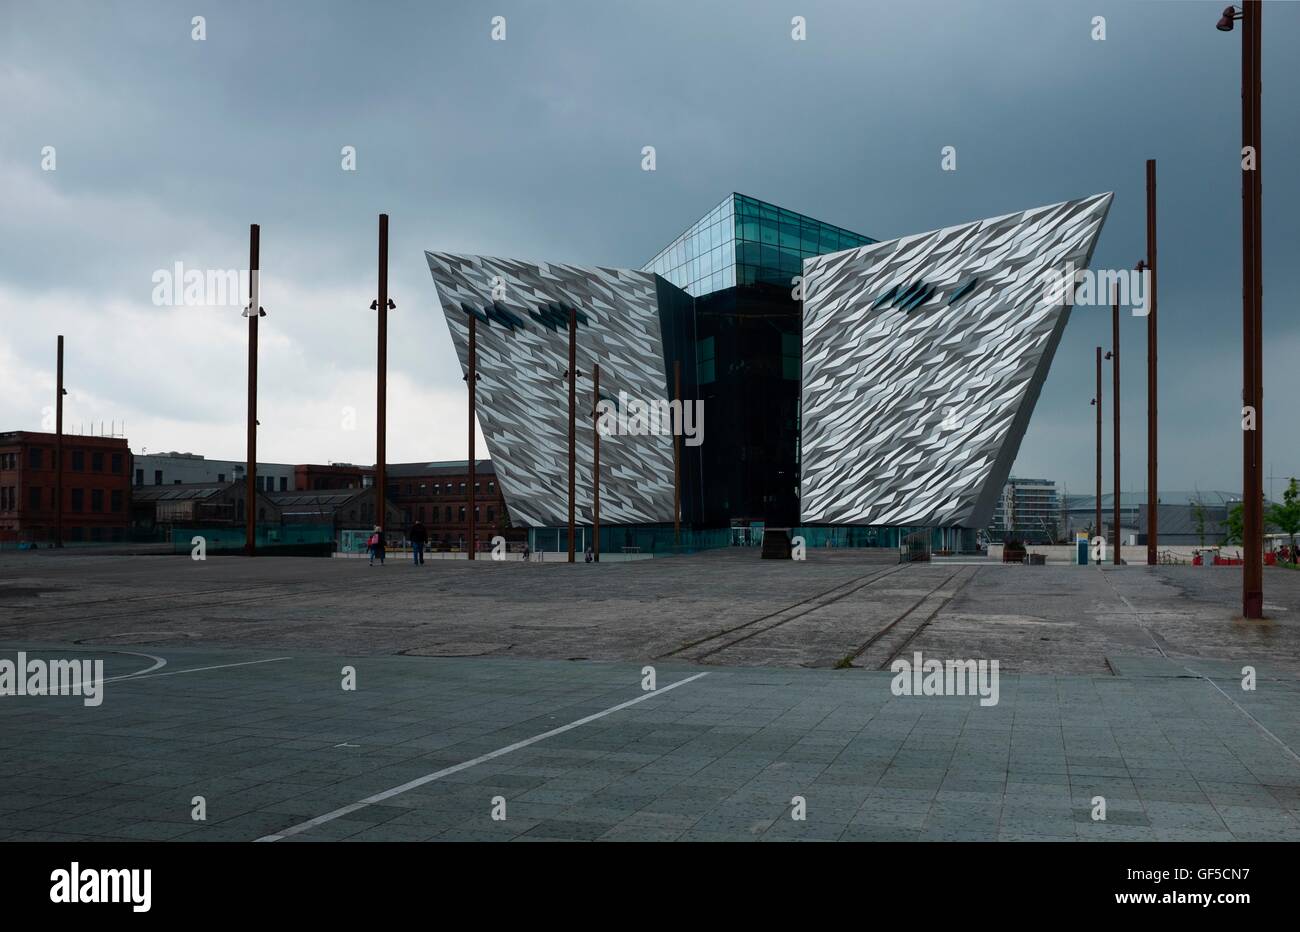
[{"x": 853, "y": 390}]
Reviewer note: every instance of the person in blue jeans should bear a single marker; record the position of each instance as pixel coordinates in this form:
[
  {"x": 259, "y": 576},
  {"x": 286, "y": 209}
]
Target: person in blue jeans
[{"x": 417, "y": 535}]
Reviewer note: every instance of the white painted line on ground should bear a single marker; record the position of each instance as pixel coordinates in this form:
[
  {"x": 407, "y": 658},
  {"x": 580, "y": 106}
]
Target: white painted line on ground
[
  {"x": 1258, "y": 724},
  {"x": 447, "y": 771},
  {"x": 220, "y": 666}
]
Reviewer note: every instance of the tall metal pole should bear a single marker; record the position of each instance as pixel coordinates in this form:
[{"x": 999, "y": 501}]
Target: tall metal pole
[
  {"x": 1097, "y": 524},
  {"x": 254, "y": 314},
  {"x": 595, "y": 463},
  {"x": 58, "y": 451},
  {"x": 381, "y": 413},
  {"x": 1252, "y": 319},
  {"x": 677, "y": 459},
  {"x": 573, "y": 413},
  {"x": 1153, "y": 487},
  {"x": 1114, "y": 375},
  {"x": 472, "y": 379}
]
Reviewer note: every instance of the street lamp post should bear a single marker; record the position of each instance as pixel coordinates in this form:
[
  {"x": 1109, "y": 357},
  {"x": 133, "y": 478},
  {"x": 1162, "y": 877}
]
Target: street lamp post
[
  {"x": 572, "y": 375},
  {"x": 595, "y": 462},
  {"x": 59, "y": 392},
  {"x": 1252, "y": 316},
  {"x": 383, "y": 304},
  {"x": 1113, "y": 356},
  {"x": 471, "y": 379},
  {"x": 677, "y": 459},
  {"x": 1153, "y": 396},
  {"x": 254, "y": 312},
  {"x": 1097, "y": 403}
]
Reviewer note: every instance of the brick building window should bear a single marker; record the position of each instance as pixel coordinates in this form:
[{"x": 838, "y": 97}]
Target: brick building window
[
  {"x": 78, "y": 500},
  {"x": 117, "y": 463},
  {"x": 115, "y": 498},
  {"x": 34, "y": 498},
  {"x": 96, "y": 461},
  {"x": 78, "y": 460},
  {"x": 34, "y": 457},
  {"x": 97, "y": 500}
]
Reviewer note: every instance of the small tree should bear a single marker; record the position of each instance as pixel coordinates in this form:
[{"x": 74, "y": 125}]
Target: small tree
[
  {"x": 1286, "y": 516},
  {"x": 1233, "y": 527},
  {"x": 1198, "y": 519}
]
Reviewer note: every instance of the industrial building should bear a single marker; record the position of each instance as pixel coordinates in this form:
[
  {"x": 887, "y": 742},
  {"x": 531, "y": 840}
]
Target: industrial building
[{"x": 174, "y": 468}]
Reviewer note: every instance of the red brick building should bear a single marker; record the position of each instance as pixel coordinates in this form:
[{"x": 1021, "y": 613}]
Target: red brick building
[
  {"x": 314, "y": 477},
  {"x": 434, "y": 493},
  {"x": 437, "y": 494},
  {"x": 96, "y": 488}
]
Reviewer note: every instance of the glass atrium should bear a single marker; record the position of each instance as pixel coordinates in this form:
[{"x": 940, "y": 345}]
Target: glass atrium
[{"x": 745, "y": 241}]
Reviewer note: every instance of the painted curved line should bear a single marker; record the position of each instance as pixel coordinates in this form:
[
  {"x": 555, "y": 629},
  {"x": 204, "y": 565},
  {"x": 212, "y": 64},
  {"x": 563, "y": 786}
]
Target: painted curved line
[{"x": 159, "y": 662}]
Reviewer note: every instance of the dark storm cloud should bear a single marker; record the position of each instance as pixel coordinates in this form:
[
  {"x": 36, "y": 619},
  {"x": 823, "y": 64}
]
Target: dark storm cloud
[{"x": 531, "y": 147}]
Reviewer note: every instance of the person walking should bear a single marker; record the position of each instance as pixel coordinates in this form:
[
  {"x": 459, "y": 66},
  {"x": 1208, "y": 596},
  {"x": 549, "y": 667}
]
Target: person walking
[
  {"x": 418, "y": 536},
  {"x": 376, "y": 545}
]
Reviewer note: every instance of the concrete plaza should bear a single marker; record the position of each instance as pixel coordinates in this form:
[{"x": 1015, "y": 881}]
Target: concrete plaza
[{"x": 519, "y": 688}]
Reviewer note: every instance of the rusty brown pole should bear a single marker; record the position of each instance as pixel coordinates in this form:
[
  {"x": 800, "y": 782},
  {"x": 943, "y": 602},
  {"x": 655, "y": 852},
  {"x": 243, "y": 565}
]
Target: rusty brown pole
[
  {"x": 573, "y": 412},
  {"x": 381, "y": 406},
  {"x": 1097, "y": 525},
  {"x": 677, "y": 458},
  {"x": 1114, "y": 341},
  {"x": 58, "y": 451},
  {"x": 1153, "y": 486},
  {"x": 1252, "y": 596},
  {"x": 254, "y": 313},
  {"x": 472, "y": 378},
  {"x": 595, "y": 464}
]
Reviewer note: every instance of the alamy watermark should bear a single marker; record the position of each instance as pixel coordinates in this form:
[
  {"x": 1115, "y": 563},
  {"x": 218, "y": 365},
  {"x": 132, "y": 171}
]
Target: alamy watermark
[
  {"x": 77, "y": 884},
  {"x": 1098, "y": 288},
  {"x": 921, "y": 677},
  {"x": 182, "y": 287},
  {"x": 37, "y": 677},
  {"x": 636, "y": 417}
]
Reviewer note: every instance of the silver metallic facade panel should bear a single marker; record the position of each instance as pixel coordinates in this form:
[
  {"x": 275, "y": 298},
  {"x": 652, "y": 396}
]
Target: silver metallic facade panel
[
  {"x": 523, "y": 401},
  {"x": 922, "y": 360}
]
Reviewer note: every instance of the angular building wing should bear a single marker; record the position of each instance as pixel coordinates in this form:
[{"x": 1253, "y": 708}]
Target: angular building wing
[
  {"x": 523, "y": 408},
  {"x": 922, "y": 360}
]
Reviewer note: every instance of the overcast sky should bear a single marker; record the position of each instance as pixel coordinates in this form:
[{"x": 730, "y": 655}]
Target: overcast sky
[{"x": 167, "y": 148}]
